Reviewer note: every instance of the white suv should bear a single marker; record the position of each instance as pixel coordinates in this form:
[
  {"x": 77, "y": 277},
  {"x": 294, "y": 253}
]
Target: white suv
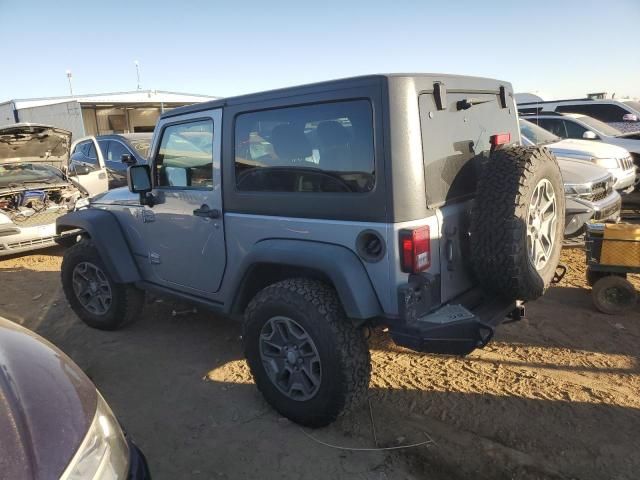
[
  {"x": 614, "y": 159},
  {"x": 575, "y": 125}
]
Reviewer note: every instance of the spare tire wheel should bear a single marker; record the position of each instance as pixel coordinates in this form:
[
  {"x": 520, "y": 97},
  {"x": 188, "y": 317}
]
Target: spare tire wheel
[{"x": 517, "y": 223}]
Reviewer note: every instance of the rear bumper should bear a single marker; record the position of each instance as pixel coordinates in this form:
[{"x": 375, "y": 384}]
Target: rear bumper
[{"x": 458, "y": 328}]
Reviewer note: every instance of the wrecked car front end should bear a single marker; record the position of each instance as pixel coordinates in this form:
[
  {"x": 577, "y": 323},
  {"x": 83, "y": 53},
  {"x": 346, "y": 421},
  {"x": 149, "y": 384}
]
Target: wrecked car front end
[{"x": 34, "y": 190}]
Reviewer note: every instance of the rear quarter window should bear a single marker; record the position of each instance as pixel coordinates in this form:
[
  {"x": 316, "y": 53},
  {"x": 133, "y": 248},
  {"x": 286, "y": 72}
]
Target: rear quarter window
[{"x": 319, "y": 148}]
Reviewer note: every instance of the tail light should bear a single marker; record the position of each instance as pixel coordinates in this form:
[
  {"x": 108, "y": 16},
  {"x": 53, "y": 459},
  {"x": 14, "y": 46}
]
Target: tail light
[
  {"x": 415, "y": 250},
  {"x": 499, "y": 139}
]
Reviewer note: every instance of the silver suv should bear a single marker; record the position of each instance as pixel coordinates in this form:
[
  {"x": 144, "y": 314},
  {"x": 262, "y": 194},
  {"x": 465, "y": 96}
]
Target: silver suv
[{"x": 316, "y": 212}]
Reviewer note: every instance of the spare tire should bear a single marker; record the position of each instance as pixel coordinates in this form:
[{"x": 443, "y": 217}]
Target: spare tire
[{"x": 517, "y": 223}]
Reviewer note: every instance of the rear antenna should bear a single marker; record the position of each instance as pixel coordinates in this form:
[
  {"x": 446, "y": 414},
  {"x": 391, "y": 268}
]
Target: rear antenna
[{"x": 137, "y": 64}]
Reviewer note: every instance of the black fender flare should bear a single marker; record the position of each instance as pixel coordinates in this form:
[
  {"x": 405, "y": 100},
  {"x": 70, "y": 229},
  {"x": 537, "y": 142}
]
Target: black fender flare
[
  {"x": 339, "y": 264},
  {"x": 107, "y": 235}
]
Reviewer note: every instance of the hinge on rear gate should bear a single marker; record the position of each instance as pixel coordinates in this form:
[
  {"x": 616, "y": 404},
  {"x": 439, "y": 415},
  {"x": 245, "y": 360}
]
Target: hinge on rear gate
[
  {"x": 503, "y": 97},
  {"x": 440, "y": 95},
  {"x": 154, "y": 258}
]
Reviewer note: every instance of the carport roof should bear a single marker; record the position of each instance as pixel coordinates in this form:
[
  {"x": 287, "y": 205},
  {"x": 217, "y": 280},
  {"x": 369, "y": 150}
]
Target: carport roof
[{"x": 137, "y": 97}]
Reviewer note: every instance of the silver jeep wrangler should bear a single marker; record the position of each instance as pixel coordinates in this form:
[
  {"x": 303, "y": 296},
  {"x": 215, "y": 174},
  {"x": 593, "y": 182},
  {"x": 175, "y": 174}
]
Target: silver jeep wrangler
[{"x": 318, "y": 211}]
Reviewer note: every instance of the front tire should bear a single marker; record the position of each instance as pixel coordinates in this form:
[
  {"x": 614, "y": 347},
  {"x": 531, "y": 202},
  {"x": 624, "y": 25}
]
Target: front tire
[
  {"x": 93, "y": 295},
  {"x": 310, "y": 362}
]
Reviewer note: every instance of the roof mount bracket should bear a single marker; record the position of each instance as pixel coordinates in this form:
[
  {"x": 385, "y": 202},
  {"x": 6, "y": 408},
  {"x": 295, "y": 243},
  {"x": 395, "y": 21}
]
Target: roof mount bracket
[{"x": 440, "y": 95}]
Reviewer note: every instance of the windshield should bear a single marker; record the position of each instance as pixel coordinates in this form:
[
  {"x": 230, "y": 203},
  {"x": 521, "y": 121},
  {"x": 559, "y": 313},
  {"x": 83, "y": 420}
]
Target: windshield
[
  {"x": 19, "y": 174},
  {"x": 633, "y": 104},
  {"x": 600, "y": 127},
  {"x": 141, "y": 146},
  {"x": 536, "y": 134}
]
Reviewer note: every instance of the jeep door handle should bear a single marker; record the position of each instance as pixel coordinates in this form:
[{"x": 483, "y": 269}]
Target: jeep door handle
[{"x": 205, "y": 211}]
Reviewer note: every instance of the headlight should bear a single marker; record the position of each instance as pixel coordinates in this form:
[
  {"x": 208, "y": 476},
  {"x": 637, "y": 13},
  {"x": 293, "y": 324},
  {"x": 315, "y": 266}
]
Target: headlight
[
  {"x": 104, "y": 453},
  {"x": 577, "y": 189},
  {"x": 606, "y": 162},
  {"x": 82, "y": 203}
]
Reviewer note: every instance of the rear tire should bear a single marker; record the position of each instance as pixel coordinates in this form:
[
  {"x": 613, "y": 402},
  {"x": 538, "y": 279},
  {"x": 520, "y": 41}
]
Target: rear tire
[
  {"x": 93, "y": 295},
  {"x": 332, "y": 373},
  {"x": 513, "y": 222},
  {"x": 614, "y": 295}
]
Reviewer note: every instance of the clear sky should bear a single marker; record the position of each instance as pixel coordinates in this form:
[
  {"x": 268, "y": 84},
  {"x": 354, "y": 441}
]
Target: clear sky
[{"x": 560, "y": 48}]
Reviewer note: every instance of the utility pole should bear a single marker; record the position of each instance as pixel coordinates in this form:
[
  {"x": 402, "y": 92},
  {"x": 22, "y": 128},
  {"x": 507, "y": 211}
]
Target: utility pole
[
  {"x": 70, "y": 77},
  {"x": 137, "y": 64}
]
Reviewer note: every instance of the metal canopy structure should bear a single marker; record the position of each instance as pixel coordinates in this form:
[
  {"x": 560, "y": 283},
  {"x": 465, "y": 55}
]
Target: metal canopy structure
[{"x": 95, "y": 114}]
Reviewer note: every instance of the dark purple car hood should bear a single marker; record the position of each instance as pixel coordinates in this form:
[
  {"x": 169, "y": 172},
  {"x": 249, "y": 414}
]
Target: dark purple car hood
[{"x": 46, "y": 405}]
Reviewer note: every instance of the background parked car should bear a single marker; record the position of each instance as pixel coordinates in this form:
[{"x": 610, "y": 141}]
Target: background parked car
[
  {"x": 589, "y": 195},
  {"x": 34, "y": 189},
  {"x": 616, "y": 160},
  {"x": 575, "y": 125},
  {"x": 623, "y": 115},
  {"x": 54, "y": 423},
  {"x": 109, "y": 153}
]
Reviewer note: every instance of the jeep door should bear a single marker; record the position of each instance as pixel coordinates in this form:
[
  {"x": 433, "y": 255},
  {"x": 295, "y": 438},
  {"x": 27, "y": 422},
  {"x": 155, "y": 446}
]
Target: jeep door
[
  {"x": 86, "y": 166},
  {"x": 116, "y": 170},
  {"x": 183, "y": 229}
]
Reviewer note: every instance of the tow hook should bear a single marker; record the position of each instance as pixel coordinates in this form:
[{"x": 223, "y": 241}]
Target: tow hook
[
  {"x": 516, "y": 314},
  {"x": 561, "y": 271}
]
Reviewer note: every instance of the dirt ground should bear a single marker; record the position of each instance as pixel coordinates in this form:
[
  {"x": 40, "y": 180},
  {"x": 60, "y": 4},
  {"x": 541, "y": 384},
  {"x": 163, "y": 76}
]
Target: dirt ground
[{"x": 556, "y": 395}]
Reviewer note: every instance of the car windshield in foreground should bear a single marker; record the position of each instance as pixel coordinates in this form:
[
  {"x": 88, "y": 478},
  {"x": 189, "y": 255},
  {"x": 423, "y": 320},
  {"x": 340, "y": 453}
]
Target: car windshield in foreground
[
  {"x": 17, "y": 174},
  {"x": 536, "y": 134},
  {"x": 600, "y": 127},
  {"x": 633, "y": 104},
  {"x": 141, "y": 146}
]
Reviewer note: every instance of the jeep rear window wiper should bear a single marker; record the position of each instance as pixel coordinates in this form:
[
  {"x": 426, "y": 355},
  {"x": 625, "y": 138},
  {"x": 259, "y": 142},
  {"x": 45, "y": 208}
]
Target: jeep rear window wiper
[{"x": 467, "y": 103}]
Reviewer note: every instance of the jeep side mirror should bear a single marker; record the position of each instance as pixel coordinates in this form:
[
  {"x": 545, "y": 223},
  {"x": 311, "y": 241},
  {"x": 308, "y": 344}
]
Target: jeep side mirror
[
  {"x": 128, "y": 159},
  {"x": 589, "y": 135},
  {"x": 139, "y": 180}
]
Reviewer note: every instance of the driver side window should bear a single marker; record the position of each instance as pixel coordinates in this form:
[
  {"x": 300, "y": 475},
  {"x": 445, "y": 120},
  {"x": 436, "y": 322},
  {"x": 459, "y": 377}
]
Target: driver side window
[
  {"x": 555, "y": 126},
  {"x": 85, "y": 154},
  {"x": 185, "y": 156},
  {"x": 574, "y": 130}
]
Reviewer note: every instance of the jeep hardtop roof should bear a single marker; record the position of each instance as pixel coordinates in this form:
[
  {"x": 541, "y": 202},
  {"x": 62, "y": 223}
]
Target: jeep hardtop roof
[{"x": 482, "y": 83}]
